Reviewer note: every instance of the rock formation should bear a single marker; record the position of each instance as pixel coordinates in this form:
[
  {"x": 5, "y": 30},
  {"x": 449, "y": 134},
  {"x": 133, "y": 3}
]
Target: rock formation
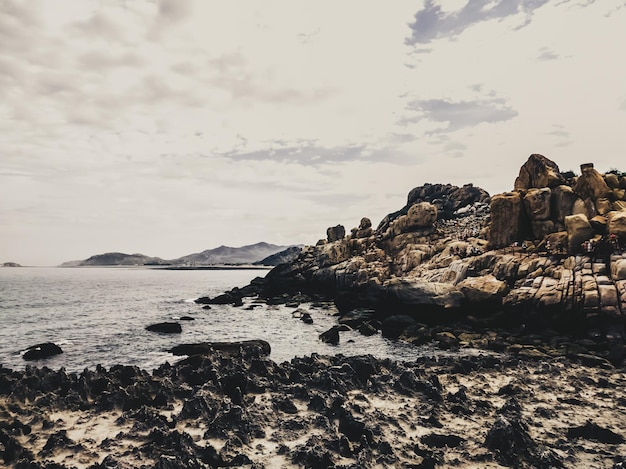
[{"x": 539, "y": 257}]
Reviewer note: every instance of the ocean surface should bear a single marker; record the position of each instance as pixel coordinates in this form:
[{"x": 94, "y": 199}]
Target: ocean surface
[{"x": 99, "y": 315}]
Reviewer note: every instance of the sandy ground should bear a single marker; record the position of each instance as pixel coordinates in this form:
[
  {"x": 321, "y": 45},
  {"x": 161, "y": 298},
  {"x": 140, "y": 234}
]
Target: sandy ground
[{"x": 422, "y": 414}]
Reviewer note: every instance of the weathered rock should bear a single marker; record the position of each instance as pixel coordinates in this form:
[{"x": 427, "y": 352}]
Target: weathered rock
[
  {"x": 506, "y": 213},
  {"x": 617, "y": 224},
  {"x": 414, "y": 292},
  {"x": 335, "y": 233},
  {"x": 599, "y": 224},
  {"x": 44, "y": 350},
  {"x": 537, "y": 203},
  {"x": 594, "y": 432},
  {"x": 578, "y": 231},
  {"x": 618, "y": 270},
  {"x": 603, "y": 206},
  {"x": 483, "y": 289},
  {"x": 539, "y": 172},
  {"x": 585, "y": 207},
  {"x": 562, "y": 203},
  {"x": 420, "y": 216},
  {"x": 364, "y": 229},
  {"x": 591, "y": 184},
  {"x": 611, "y": 180},
  {"x": 542, "y": 228}
]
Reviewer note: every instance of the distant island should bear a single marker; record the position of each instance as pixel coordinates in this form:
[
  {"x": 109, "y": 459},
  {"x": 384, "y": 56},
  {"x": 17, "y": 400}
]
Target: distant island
[
  {"x": 11, "y": 264},
  {"x": 259, "y": 254}
]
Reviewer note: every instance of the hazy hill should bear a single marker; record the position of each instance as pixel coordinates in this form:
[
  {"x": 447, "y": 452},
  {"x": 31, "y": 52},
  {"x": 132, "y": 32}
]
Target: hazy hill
[
  {"x": 288, "y": 255},
  {"x": 220, "y": 255},
  {"x": 116, "y": 258},
  {"x": 229, "y": 255}
]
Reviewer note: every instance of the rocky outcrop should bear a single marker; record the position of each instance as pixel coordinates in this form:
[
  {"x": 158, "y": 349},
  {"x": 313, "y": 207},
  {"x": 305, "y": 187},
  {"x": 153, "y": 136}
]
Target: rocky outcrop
[
  {"x": 549, "y": 198},
  {"x": 533, "y": 259},
  {"x": 538, "y": 172},
  {"x": 236, "y": 410},
  {"x": 506, "y": 218}
]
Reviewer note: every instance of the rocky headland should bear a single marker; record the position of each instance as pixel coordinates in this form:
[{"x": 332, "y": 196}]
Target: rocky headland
[
  {"x": 532, "y": 282},
  {"x": 542, "y": 264}
]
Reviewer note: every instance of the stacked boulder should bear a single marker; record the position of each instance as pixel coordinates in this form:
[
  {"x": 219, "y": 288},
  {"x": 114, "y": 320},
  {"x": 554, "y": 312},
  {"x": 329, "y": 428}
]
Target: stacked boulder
[{"x": 545, "y": 206}]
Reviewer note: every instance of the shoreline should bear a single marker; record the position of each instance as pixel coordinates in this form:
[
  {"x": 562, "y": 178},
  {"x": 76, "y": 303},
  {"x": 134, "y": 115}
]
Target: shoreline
[{"x": 243, "y": 409}]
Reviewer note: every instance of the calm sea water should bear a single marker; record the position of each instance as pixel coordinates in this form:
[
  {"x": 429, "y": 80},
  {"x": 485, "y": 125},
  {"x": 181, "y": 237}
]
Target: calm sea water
[{"x": 99, "y": 315}]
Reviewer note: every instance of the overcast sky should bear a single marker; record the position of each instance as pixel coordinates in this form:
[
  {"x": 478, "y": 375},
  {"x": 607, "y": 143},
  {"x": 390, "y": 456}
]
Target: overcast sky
[{"x": 169, "y": 127}]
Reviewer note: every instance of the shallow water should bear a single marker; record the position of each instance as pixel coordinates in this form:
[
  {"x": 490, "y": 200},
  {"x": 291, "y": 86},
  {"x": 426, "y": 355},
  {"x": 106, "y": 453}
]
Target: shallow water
[{"x": 99, "y": 315}]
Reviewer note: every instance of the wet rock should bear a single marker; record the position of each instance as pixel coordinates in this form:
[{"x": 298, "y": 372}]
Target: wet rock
[
  {"x": 255, "y": 347},
  {"x": 594, "y": 432},
  {"x": 306, "y": 318},
  {"x": 442, "y": 441},
  {"x": 40, "y": 351},
  {"x": 165, "y": 328},
  {"x": 331, "y": 336},
  {"x": 356, "y": 317},
  {"x": 233, "y": 297}
]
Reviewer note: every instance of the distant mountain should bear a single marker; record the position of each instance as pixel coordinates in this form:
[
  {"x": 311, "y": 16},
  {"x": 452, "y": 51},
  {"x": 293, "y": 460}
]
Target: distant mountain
[
  {"x": 11, "y": 264},
  {"x": 282, "y": 257},
  {"x": 116, "y": 258},
  {"x": 229, "y": 255},
  {"x": 222, "y": 255}
]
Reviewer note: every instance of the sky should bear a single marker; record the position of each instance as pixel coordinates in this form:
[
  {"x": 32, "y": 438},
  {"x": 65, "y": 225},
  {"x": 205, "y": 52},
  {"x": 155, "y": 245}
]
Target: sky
[{"x": 170, "y": 127}]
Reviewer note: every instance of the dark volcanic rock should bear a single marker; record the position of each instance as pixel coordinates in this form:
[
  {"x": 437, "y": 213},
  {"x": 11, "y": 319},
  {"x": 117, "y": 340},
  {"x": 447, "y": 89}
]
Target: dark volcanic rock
[
  {"x": 593, "y": 431},
  {"x": 165, "y": 327},
  {"x": 39, "y": 351},
  {"x": 245, "y": 347}
]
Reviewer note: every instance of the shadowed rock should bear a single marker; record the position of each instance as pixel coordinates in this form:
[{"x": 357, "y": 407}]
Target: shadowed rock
[
  {"x": 165, "y": 328},
  {"x": 39, "y": 351},
  {"x": 255, "y": 347}
]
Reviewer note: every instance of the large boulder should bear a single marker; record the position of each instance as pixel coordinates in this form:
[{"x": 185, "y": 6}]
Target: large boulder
[
  {"x": 483, "y": 289},
  {"x": 537, "y": 203},
  {"x": 612, "y": 180},
  {"x": 364, "y": 229},
  {"x": 585, "y": 207},
  {"x": 591, "y": 184},
  {"x": 562, "y": 203},
  {"x": 578, "y": 230},
  {"x": 618, "y": 270},
  {"x": 506, "y": 213},
  {"x": 335, "y": 233},
  {"x": 420, "y": 215},
  {"x": 333, "y": 253},
  {"x": 617, "y": 224},
  {"x": 414, "y": 292},
  {"x": 538, "y": 171}
]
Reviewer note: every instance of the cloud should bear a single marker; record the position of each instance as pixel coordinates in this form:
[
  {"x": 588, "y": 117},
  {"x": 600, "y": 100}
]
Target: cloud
[
  {"x": 460, "y": 114},
  {"x": 546, "y": 54},
  {"x": 432, "y": 22}
]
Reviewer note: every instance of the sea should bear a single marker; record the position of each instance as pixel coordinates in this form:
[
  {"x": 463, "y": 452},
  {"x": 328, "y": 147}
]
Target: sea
[{"x": 98, "y": 316}]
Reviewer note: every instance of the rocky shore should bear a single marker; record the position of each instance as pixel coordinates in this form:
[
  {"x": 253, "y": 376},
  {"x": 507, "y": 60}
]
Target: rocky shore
[
  {"x": 534, "y": 279},
  {"x": 546, "y": 259},
  {"x": 237, "y": 408}
]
